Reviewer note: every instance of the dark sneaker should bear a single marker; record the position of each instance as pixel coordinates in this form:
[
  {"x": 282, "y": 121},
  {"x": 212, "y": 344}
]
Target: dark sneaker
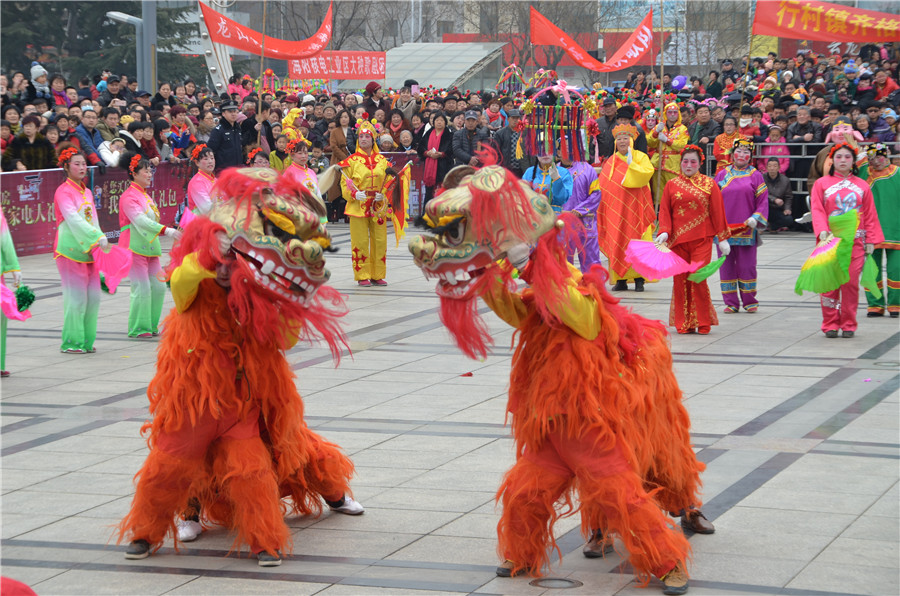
[
  {"x": 598, "y": 546},
  {"x": 875, "y": 313},
  {"x": 267, "y": 560},
  {"x": 847, "y": 334},
  {"x": 831, "y": 333},
  {"x": 675, "y": 581},
  {"x": 506, "y": 570},
  {"x": 696, "y": 522},
  {"x": 620, "y": 286},
  {"x": 139, "y": 549},
  {"x": 894, "y": 315},
  {"x": 639, "y": 284}
]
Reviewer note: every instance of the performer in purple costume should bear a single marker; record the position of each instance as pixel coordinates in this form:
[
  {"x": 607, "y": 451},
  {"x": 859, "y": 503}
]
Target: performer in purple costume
[
  {"x": 746, "y": 210},
  {"x": 584, "y": 202}
]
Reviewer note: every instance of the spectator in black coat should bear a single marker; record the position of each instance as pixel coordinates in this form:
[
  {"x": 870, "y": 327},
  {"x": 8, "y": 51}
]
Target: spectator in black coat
[
  {"x": 506, "y": 140},
  {"x": 436, "y": 151},
  {"x": 468, "y": 140},
  {"x": 29, "y": 150}
]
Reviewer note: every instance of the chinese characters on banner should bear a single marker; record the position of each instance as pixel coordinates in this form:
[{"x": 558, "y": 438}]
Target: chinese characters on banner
[
  {"x": 822, "y": 21},
  {"x": 232, "y": 34},
  {"x": 338, "y": 65},
  {"x": 27, "y": 199},
  {"x": 543, "y": 32}
]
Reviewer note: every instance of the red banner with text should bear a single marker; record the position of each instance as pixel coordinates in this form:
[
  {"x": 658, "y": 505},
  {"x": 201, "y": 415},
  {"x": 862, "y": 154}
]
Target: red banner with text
[
  {"x": 339, "y": 65},
  {"x": 27, "y": 202},
  {"x": 640, "y": 43},
  {"x": 234, "y": 35},
  {"x": 823, "y": 21}
]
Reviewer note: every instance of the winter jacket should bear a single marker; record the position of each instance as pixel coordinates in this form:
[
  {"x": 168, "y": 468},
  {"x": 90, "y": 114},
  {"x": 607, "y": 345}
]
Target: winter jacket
[{"x": 36, "y": 155}]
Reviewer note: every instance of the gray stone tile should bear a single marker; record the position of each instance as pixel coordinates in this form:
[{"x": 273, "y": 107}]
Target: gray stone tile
[
  {"x": 850, "y": 579},
  {"x": 352, "y": 590},
  {"x": 217, "y": 585},
  {"x": 450, "y": 549},
  {"x": 85, "y": 582},
  {"x": 388, "y": 520},
  {"x": 762, "y": 521},
  {"x": 348, "y": 542},
  {"x": 863, "y": 552},
  {"x": 431, "y": 500},
  {"x": 30, "y": 576}
]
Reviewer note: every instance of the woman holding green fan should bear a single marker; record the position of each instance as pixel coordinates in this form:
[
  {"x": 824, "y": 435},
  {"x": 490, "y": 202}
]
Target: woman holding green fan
[{"x": 842, "y": 205}]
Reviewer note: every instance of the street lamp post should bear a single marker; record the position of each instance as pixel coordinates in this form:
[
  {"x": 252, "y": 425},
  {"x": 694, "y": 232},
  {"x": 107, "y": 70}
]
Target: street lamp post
[{"x": 145, "y": 31}]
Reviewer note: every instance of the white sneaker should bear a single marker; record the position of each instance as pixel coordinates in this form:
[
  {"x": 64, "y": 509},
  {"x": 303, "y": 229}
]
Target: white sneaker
[
  {"x": 350, "y": 507},
  {"x": 188, "y": 530},
  {"x": 807, "y": 218}
]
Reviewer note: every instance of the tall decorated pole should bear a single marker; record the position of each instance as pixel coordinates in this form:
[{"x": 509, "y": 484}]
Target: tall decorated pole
[
  {"x": 660, "y": 107},
  {"x": 262, "y": 54},
  {"x": 744, "y": 80}
]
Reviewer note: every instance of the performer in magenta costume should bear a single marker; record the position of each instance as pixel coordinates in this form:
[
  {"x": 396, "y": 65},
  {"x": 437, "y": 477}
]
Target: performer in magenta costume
[
  {"x": 78, "y": 233},
  {"x": 199, "y": 190},
  {"x": 139, "y": 220},
  {"x": 746, "y": 200},
  {"x": 584, "y": 202},
  {"x": 839, "y": 192}
]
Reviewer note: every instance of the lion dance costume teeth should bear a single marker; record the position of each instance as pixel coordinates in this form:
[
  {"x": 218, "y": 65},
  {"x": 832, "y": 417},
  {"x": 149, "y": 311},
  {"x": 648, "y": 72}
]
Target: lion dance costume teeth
[
  {"x": 594, "y": 404},
  {"x": 248, "y": 281}
]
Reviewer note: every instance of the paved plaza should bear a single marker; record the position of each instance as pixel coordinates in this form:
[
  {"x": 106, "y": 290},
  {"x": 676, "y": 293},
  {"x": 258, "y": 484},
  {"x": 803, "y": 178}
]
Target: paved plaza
[{"x": 799, "y": 433}]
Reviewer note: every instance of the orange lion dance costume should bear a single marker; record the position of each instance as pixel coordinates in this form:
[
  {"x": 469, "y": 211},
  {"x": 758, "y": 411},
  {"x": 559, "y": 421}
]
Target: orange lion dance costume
[
  {"x": 228, "y": 428},
  {"x": 595, "y": 406}
]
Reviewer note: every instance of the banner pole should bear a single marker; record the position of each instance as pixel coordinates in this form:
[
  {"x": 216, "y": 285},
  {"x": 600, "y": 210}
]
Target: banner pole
[
  {"x": 662, "y": 91},
  {"x": 750, "y": 37},
  {"x": 262, "y": 55}
]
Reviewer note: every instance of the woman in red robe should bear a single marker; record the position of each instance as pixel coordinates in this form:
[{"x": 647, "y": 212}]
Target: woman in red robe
[{"x": 691, "y": 213}]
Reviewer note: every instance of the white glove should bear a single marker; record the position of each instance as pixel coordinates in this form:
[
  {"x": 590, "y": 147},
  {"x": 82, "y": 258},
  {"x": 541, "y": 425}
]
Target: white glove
[
  {"x": 17, "y": 278},
  {"x": 630, "y": 155},
  {"x": 751, "y": 223},
  {"x": 724, "y": 247},
  {"x": 663, "y": 137},
  {"x": 870, "y": 248},
  {"x": 104, "y": 243},
  {"x": 360, "y": 195},
  {"x": 659, "y": 127},
  {"x": 173, "y": 233},
  {"x": 823, "y": 235},
  {"x": 518, "y": 255},
  {"x": 379, "y": 197},
  {"x": 554, "y": 173},
  {"x": 661, "y": 239},
  {"x": 224, "y": 242}
]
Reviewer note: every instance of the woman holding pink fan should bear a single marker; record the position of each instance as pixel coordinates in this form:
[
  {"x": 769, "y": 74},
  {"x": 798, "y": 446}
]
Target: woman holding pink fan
[
  {"x": 691, "y": 214},
  {"x": 77, "y": 234}
]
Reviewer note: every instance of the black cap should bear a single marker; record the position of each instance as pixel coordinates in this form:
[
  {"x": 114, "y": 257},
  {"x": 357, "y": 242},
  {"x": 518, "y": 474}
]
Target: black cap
[
  {"x": 112, "y": 79},
  {"x": 626, "y": 111},
  {"x": 608, "y": 100},
  {"x": 472, "y": 114},
  {"x": 727, "y": 61},
  {"x": 746, "y": 110},
  {"x": 228, "y": 105},
  {"x": 142, "y": 93},
  {"x": 513, "y": 113}
]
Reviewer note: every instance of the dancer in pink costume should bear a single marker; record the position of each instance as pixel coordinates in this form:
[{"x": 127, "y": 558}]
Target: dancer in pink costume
[
  {"x": 199, "y": 190},
  {"x": 838, "y": 192},
  {"x": 139, "y": 220},
  {"x": 77, "y": 235}
]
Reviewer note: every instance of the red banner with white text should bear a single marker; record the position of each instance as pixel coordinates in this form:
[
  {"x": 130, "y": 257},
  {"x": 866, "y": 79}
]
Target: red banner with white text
[
  {"x": 543, "y": 32},
  {"x": 823, "y": 21},
  {"x": 234, "y": 35},
  {"x": 338, "y": 65}
]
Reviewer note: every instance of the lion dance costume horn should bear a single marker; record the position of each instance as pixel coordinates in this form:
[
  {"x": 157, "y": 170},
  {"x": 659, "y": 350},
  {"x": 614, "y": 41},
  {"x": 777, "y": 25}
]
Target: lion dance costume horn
[
  {"x": 591, "y": 381},
  {"x": 228, "y": 425}
]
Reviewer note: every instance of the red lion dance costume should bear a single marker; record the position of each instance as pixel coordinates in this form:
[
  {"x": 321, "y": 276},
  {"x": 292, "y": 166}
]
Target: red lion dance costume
[
  {"x": 594, "y": 403},
  {"x": 228, "y": 429}
]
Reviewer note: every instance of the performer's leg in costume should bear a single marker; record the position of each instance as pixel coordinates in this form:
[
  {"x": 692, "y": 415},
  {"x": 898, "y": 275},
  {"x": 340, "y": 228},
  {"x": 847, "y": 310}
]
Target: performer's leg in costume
[
  {"x": 612, "y": 497},
  {"x": 728, "y": 280},
  {"x": 141, "y": 296},
  {"x": 326, "y": 475},
  {"x": 839, "y": 306},
  {"x": 747, "y": 275},
  {"x": 157, "y": 293},
  {"x": 81, "y": 303},
  {"x": 893, "y": 280},
  {"x": 359, "y": 243},
  {"x": 876, "y": 305},
  {"x": 891, "y": 290},
  {"x": 691, "y": 304},
  {"x": 3, "y": 324},
  {"x": 377, "y": 248}
]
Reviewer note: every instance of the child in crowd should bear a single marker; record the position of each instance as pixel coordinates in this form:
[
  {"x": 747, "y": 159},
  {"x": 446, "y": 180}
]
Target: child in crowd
[
  {"x": 279, "y": 159},
  {"x": 317, "y": 161},
  {"x": 778, "y": 149}
]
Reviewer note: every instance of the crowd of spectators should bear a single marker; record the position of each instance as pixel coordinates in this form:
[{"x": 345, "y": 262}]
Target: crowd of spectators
[{"x": 786, "y": 105}]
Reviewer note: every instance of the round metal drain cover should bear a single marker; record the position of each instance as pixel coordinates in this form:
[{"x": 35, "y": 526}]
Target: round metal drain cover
[
  {"x": 555, "y": 583},
  {"x": 887, "y": 363}
]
